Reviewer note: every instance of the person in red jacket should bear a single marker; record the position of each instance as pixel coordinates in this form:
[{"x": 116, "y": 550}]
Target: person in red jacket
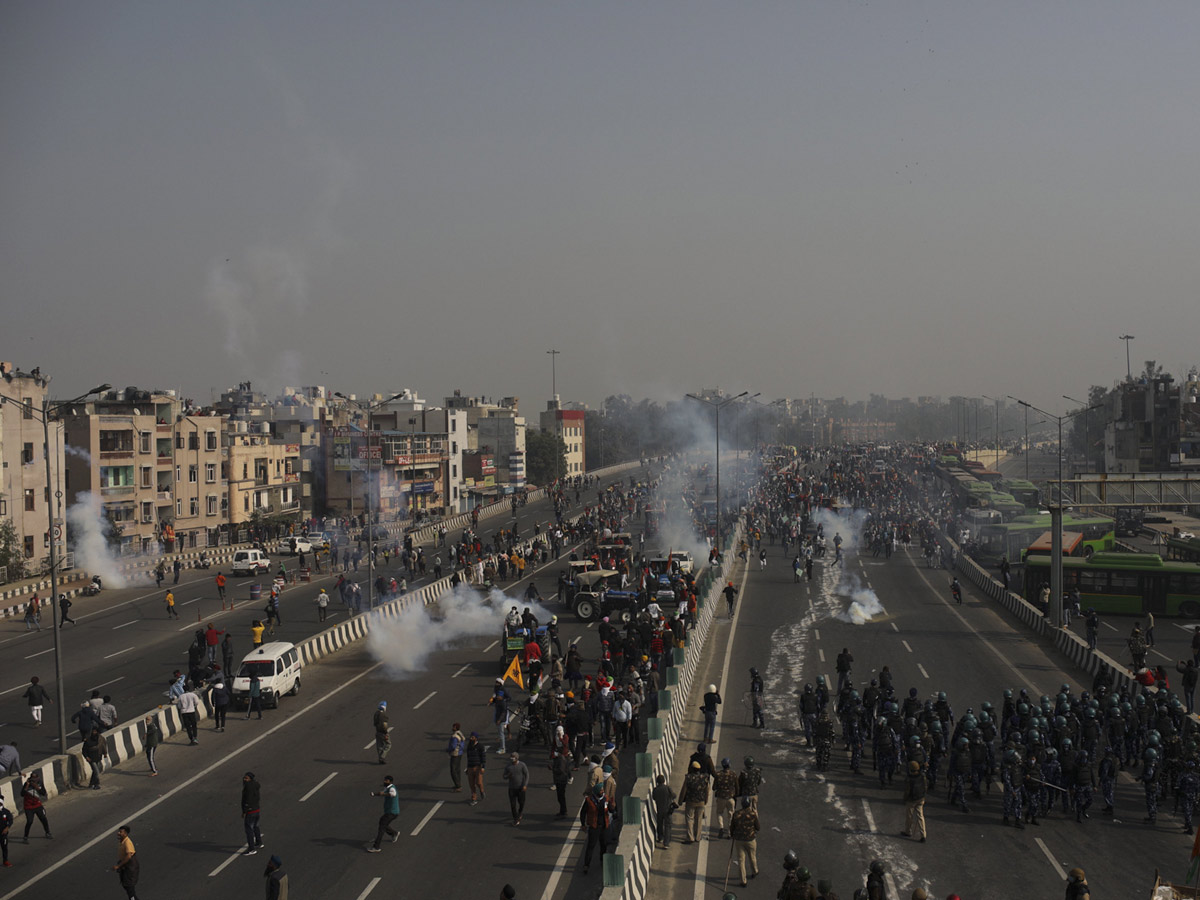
[{"x": 212, "y": 638}]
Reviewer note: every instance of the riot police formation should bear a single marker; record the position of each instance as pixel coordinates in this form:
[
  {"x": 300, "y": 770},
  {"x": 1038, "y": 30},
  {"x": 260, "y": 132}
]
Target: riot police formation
[{"x": 1042, "y": 753}]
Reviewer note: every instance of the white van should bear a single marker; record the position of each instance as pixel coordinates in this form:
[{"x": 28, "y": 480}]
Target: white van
[
  {"x": 250, "y": 562},
  {"x": 278, "y": 668}
]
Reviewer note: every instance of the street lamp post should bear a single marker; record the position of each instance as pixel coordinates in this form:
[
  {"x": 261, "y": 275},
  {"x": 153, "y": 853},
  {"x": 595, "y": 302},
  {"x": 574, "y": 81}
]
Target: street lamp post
[
  {"x": 368, "y": 408},
  {"x": 557, "y": 418},
  {"x": 1056, "y": 513},
  {"x": 412, "y": 453},
  {"x": 717, "y": 407},
  {"x": 1128, "y": 370},
  {"x": 49, "y": 410}
]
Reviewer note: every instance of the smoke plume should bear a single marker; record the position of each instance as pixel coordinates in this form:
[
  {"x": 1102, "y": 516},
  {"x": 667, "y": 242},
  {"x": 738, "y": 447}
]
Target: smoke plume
[{"x": 90, "y": 532}]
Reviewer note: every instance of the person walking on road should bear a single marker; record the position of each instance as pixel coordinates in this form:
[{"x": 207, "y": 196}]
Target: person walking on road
[
  {"x": 560, "y": 771},
  {"x": 391, "y": 809},
  {"x": 693, "y": 797},
  {"x": 153, "y": 739},
  {"x": 724, "y": 788},
  {"x": 383, "y": 736},
  {"x": 476, "y": 765},
  {"x": 160, "y": 572},
  {"x": 6, "y": 821},
  {"x": 64, "y": 609},
  {"x": 595, "y": 815},
  {"x": 251, "y": 811},
  {"x": 712, "y": 699},
  {"x": 189, "y": 711},
  {"x": 455, "y": 749},
  {"x": 37, "y": 697},
  {"x": 914, "y": 801},
  {"x": 743, "y": 831},
  {"x": 227, "y": 656},
  {"x": 516, "y": 773},
  {"x": 127, "y": 867},
  {"x": 750, "y": 780},
  {"x": 254, "y": 696},
  {"x": 220, "y": 579},
  {"x": 664, "y": 805},
  {"x": 730, "y": 593},
  {"x": 277, "y": 880},
  {"x": 95, "y": 749},
  {"x": 322, "y": 605},
  {"x": 176, "y": 567},
  {"x": 33, "y": 799},
  {"x": 170, "y": 601}
]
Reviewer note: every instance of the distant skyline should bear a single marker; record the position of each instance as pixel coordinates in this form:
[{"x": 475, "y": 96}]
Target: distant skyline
[{"x": 920, "y": 198}]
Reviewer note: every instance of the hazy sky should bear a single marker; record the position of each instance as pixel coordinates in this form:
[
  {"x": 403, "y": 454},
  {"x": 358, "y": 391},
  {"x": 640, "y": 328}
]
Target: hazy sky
[{"x": 832, "y": 197}]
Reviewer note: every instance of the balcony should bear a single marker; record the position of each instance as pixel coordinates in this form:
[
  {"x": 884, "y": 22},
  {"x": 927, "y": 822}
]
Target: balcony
[
  {"x": 124, "y": 453},
  {"x": 117, "y": 491},
  {"x": 164, "y": 496}
]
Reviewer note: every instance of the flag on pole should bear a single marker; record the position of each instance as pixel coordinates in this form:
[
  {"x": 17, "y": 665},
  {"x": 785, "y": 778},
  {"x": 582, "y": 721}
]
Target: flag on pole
[{"x": 514, "y": 672}]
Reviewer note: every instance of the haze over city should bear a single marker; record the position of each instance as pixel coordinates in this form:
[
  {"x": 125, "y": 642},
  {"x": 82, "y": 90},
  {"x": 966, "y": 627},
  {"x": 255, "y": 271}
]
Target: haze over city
[{"x": 910, "y": 199}]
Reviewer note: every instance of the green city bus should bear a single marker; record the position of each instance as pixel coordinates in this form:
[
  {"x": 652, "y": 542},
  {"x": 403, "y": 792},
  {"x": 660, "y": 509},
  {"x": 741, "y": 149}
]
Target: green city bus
[
  {"x": 1183, "y": 549},
  {"x": 1123, "y": 583},
  {"x": 1013, "y": 538}
]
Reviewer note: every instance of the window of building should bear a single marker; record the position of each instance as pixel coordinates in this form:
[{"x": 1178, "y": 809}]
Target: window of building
[
  {"x": 210, "y": 440},
  {"x": 147, "y": 511},
  {"x": 145, "y": 441},
  {"x": 178, "y": 507},
  {"x": 27, "y": 453},
  {"x": 179, "y": 442},
  {"x": 245, "y": 471},
  {"x": 3, "y": 508},
  {"x": 193, "y": 441},
  {"x": 29, "y": 546},
  {"x": 211, "y": 505},
  {"x": 194, "y": 506},
  {"x": 147, "y": 477},
  {"x": 27, "y": 408},
  {"x": 453, "y": 471},
  {"x": 210, "y": 473},
  {"x": 224, "y": 506},
  {"x": 30, "y": 499},
  {"x": 193, "y": 473},
  {"x": 178, "y": 474},
  {"x": 246, "y": 503}
]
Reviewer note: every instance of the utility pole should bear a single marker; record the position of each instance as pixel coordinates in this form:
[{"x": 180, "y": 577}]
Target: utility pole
[
  {"x": 1128, "y": 371},
  {"x": 557, "y": 412}
]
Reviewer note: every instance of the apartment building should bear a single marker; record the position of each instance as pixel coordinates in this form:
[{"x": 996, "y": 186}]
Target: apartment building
[
  {"x": 25, "y": 496},
  {"x": 568, "y": 424},
  {"x": 264, "y": 476}
]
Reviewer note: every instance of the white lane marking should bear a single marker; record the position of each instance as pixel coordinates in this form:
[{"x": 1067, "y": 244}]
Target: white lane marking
[
  {"x": 591, "y": 624},
  {"x": 189, "y": 602},
  {"x": 578, "y": 638},
  {"x": 1187, "y": 629},
  {"x": 107, "y": 683},
  {"x": 1109, "y": 627},
  {"x": 560, "y": 863},
  {"x": 370, "y": 887},
  {"x": 490, "y": 646},
  {"x": 429, "y": 815},
  {"x": 870, "y": 818},
  {"x": 324, "y": 781},
  {"x": 40, "y": 653},
  {"x": 895, "y": 628},
  {"x": 426, "y": 700},
  {"x": 817, "y": 633},
  {"x": 119, "y": 652},
  {"x": 922, "y": 668},
  {"x": 906, "y": 647},
  {"x": 130, "y": 622},
  {"x": 369, "y": 746},
  {"x": 107, "y": 832},
  {"x": 460, "y": 671},
  {"x": 821, "y": 653},
  {"x": 1053, "y": 861},
  {"x": 221, "y": 868},
  {"x": 891, "y": 884},
  {"x": 1161, "y": 655}
]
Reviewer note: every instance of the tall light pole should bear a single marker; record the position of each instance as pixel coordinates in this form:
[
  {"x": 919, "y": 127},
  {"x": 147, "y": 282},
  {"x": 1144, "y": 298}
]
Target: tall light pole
[
  {"x": 1087, "y": 458},
  {"x": 1128, "y": 371},
  {"x": 48, "y": 411},
  {"x": 412, "y": 452},
  {"x": 557, "y": 417},
  {"x": 717, "y": 405},
  {"x": 997, "y": 402},
  {"x": 1056, "y": 513},
  {"x": 368, "y": 408}
]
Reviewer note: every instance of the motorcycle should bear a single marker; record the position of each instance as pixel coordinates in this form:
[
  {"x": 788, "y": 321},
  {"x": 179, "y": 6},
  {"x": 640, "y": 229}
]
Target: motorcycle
[
  {"x": 92, "y": 588},
  {"x": 204, "y": 562}
]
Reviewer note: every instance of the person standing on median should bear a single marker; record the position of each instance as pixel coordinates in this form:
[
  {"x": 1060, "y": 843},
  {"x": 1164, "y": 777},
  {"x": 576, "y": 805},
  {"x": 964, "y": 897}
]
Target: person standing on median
[
  {"x": 153, "y": 739},
  {"x": 189, "y": 711},
  {"x": 516, "y": 773},
  {"x": 391, "y": 809}
]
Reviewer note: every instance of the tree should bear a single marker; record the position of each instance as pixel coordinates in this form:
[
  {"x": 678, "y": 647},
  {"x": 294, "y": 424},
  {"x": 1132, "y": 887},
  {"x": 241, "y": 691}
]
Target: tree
[
  {"x": 12, "y": 556},
  {"x": 541, "y": 467}
]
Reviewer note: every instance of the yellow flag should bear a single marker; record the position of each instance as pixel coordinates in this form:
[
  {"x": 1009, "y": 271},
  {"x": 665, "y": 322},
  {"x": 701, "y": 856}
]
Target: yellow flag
[{"x": 514, "y": 672}]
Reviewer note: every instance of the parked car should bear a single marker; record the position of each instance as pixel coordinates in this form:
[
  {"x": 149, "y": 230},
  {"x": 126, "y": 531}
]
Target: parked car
[
  {"x": 296, "y": 545},
  {"x": 250, "y": 562}
]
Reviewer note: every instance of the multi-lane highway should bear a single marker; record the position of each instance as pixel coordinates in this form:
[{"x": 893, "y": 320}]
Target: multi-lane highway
[
  {"x": 839, "y": 822},
  {"x": 125, "y": 645}
]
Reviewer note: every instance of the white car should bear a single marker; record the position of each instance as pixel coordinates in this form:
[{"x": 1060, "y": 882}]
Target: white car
[
  {"x": 277, "y": 665},
  {"x": 250, "y": 562},
  {"x": 294, "y": 546}
]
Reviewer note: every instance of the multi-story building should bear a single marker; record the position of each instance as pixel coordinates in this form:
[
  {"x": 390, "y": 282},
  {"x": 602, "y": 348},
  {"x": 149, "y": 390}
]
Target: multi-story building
[
  {"x": 568, "y": 424},
  {"x": 152, "y": 464},
  {"x": 264, "y": 478},
  {"x": 25, "y": 495},
  {"x": 1154, "y": 427}
]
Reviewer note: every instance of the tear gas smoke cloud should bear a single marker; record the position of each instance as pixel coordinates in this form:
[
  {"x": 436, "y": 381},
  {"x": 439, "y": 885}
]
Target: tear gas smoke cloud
[
  {"x": 81, "y": 452},
  {"x": 89, "y": 530},
  {"x": 864, "y": 604},
  {"x": 405, "y": 643}
]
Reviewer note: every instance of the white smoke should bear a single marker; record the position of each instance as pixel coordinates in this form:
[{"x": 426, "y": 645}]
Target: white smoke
[
  {"x": 864, "y": 604},
  {"x": 81, "y": 452},
  {"x": 405, "y": 643},
  {"x": 846, "y": 522},
  {"x": 89, "y": 533}
]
